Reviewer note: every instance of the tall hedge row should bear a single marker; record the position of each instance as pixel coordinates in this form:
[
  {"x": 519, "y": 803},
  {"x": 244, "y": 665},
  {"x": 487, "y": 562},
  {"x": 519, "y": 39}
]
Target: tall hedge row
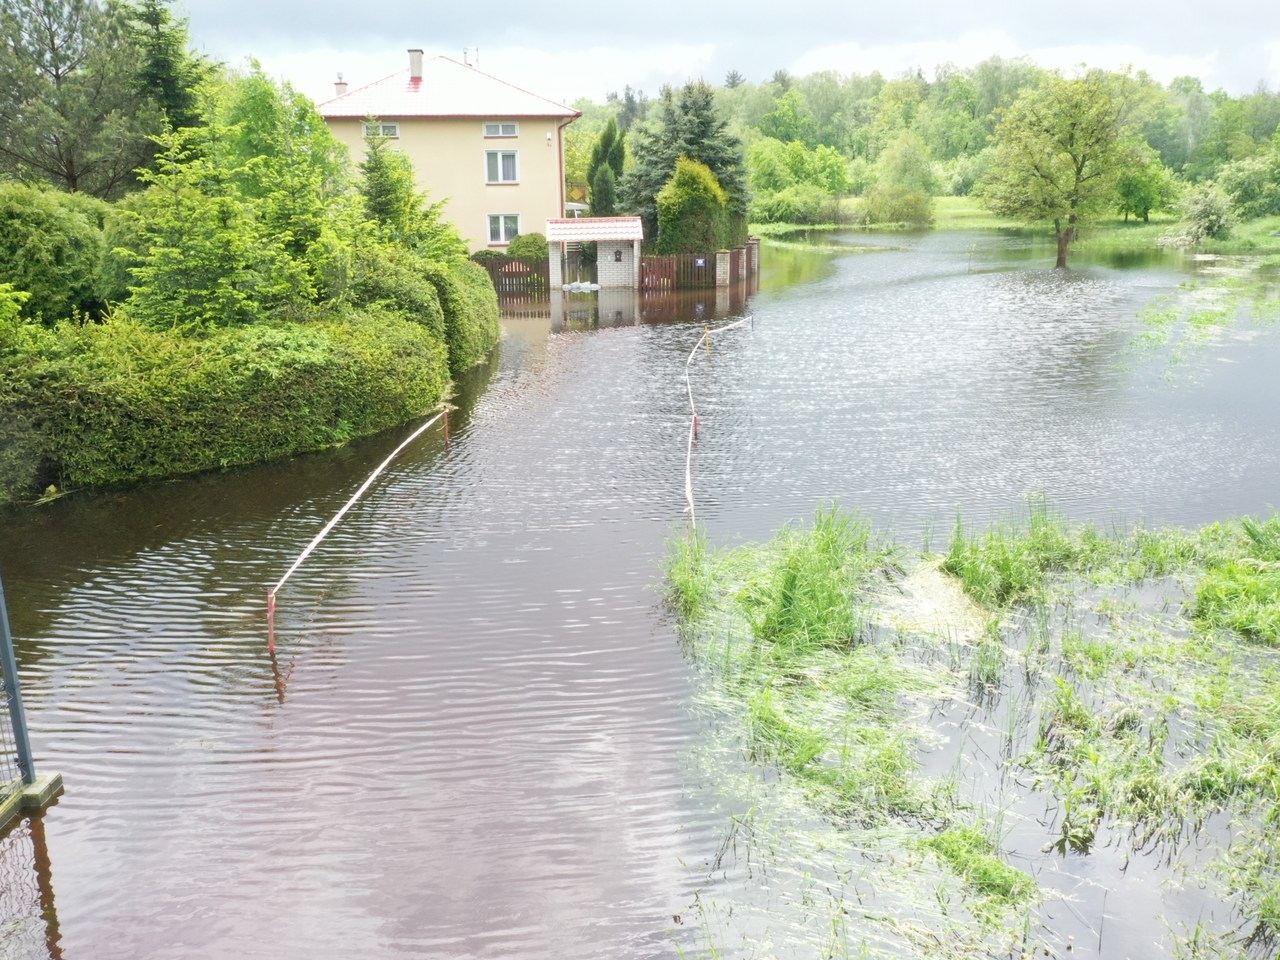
[
  {"x": 115, "y": 403},
  {"x": 470, "y": 311}
]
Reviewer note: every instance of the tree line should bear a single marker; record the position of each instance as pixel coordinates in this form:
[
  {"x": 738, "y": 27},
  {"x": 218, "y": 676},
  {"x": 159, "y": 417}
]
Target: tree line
[{"x": 808, "y": 143}]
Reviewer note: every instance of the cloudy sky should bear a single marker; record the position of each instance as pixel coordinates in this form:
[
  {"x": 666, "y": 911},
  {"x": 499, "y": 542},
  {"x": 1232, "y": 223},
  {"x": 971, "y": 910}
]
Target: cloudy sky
[{"x": 586, "y": 49}]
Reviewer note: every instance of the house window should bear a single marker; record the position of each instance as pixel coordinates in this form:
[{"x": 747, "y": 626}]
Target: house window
[
  {"x": 500, "y": 166},
  {"x": 503, "y": 227},
  {"x": 382, "y": 130},
  {"x": 501, "y": 130}
]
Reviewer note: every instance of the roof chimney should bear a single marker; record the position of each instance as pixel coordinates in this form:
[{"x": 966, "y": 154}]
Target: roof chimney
[
  {"x": 415, "y": 65},
  {"x": 339, "y": 87}
]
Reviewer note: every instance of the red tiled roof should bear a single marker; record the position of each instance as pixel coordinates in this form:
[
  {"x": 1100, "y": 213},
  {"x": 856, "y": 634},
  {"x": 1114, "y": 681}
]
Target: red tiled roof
[
  {"x": 447, "y": 89},
  {"x": 585, "y": 229}
]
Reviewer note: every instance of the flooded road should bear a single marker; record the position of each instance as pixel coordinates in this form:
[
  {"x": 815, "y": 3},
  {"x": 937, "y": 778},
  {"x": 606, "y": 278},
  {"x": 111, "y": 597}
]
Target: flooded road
[{"x": 485, "y": 746}]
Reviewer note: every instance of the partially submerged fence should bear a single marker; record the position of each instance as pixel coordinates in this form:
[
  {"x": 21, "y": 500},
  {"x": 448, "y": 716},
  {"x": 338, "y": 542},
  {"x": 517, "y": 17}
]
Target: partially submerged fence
[
  {"x": 518, "y": 275},
  {"x": 693, "y": 271},
  {"x": 681, "y": 271}
]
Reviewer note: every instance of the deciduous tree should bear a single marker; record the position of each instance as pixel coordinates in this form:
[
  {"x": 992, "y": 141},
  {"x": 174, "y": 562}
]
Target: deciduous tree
[{"x": 1060, "y": 150}]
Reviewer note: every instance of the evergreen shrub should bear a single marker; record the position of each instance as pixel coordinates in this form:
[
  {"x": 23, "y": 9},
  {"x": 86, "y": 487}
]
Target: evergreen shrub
[
  {"x": 470, "y": 310},
  {"x": 119, "y": 402}
]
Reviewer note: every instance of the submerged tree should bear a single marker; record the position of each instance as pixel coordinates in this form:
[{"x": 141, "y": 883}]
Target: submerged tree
[{"x": 1060, "y": 150}]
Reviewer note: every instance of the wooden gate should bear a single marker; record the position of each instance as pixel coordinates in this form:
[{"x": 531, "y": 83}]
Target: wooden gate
[
  {"x": 518, "y": 275},
  {"x": 658, "y": 274}
]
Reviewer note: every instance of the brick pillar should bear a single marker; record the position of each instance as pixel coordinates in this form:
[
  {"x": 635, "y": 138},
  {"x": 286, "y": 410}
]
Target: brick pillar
[
  {"x": 722, "y": 268},
  {"x": 555, "y": 254},
  {"x": 753, "y": 246},
  {"x": 741, "y": 254}
]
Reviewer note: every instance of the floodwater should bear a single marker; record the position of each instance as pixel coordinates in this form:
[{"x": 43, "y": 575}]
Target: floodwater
[{"x": 479, "y": 741}]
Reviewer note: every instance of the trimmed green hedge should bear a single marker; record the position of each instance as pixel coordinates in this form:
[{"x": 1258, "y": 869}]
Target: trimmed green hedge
[
  {"x": 470, "y": 311},
  {"x": 115, "y": 403}
]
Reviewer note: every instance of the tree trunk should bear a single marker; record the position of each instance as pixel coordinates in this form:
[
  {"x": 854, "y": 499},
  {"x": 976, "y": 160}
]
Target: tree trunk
[{"x": 1063, "y": 239}]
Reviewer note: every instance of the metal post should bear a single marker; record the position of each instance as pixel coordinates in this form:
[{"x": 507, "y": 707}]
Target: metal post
[{"x": 9, "y": 664}]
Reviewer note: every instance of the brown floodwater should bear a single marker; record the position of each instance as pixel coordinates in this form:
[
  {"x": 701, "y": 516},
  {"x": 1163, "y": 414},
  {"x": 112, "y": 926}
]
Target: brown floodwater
[{"x": 481, "y": 741}]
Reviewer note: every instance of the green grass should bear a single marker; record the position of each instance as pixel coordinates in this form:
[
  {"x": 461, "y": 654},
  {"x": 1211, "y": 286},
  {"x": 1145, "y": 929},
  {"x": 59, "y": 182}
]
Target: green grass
[
  {"x": 1102, "y": 684},
  {"x": 970, "y": 853}
]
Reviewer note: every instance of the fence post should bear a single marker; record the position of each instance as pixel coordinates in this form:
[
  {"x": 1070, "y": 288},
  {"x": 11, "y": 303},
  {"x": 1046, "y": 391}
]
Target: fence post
[
  {"x": 9, "y": 664},
  {"x": 555, "y": 259},
  {"x": 722, "y": 268}
]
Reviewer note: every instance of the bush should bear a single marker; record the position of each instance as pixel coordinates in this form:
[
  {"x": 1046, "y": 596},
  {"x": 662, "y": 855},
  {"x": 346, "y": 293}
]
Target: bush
[
  {"x": 802, "y": 203},
  {"x": 890, "y": 204},
  {"x": 528, "y": 245},
  {"x": 470, "y": 310},
  {"x": 395, "y": 279},
  {"x": 117, "y": 402},
  {"x": 693, "y": 215},
  {"x": 51, "y": 246},
  {"x": 1253, "y": 184},
  {"x": 1206, "y": 214},
  {"x": 487, "y": 254}
]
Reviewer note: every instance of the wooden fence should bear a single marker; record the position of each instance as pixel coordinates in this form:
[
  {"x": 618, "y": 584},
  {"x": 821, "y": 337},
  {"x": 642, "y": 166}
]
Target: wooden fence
[
  {"x": 518, "y": 275},
  {"x": 682, "y": 271}
]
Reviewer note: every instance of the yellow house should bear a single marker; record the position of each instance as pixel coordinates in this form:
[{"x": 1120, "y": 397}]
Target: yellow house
[{"x": 493, "y": 152}]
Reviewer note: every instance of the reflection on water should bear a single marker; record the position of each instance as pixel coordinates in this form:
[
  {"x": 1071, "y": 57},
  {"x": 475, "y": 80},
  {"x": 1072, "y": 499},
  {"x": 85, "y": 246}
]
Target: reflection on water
[{"x": 485, "y": 745}]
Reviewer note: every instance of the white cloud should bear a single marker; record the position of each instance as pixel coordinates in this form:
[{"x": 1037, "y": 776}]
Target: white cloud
[{"x": 972, "y": 48}]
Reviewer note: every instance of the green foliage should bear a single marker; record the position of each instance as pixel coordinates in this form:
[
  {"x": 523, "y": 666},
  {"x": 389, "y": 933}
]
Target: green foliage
[
  {"x": 689, "y": 583},
  {"x": 971, "y": 854},
  {"x": 604, "y": 192},
  {"x": 51, "y": 246},
  {"x": 1243, "y": 593},
  {"x": 1206, "y": 215},
  {"x": 609, "y": 150},
  {"x": 124, "y": 242},
  {"x": 208, "y": 259},
  {"x": 404, "y": 215},
  {"x": 167, "y": 73},
  {"x": 528, "y": 245},
  {"x": 904, "y": 187},
  {"x": 71, "y": 111},
  {"x": 801, "y": 203},
  {"x": 1005, "y": 564},
  {"x": 119, "y": 402},
  {"x": 268, "y": 141},
  {"x": 1060, "y": 150},
  {"x": 1146, "y": 187},
  {"x": 806, "y": 600},
  {"x": 470, "y": 310},
  {"x": 687, "y": 125},
  {"x": 395, "y": 279},
  {"x": 692, "y": 211},
  {"x": 958, "y": 177},
  {"x": 1253, "y": 185},
  {"x": 790, "y": 120}
]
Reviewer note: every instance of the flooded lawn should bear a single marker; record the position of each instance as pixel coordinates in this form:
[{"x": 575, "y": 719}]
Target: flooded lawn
[
  {"x": 492, "y": 742},
  {"x": 1083, "y": 763}
]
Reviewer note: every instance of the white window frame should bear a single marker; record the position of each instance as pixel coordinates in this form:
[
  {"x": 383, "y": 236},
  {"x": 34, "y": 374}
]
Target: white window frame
[
  {"x": 377, "y": 129},
  {"x": 501, "y": 129},
  {"x": 500, "y": 221},
  {"x": 499, "y": 155}
]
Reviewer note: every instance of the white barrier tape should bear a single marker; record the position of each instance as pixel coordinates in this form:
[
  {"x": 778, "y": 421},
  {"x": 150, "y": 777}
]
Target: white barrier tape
[
  {"x": 271, "y": 594},
  {"x": 693, "y": 410}
]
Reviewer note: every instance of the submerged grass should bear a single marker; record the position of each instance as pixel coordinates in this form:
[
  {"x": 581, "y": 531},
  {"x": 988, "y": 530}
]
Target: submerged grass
[{"x": 1127, "y": 680}]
